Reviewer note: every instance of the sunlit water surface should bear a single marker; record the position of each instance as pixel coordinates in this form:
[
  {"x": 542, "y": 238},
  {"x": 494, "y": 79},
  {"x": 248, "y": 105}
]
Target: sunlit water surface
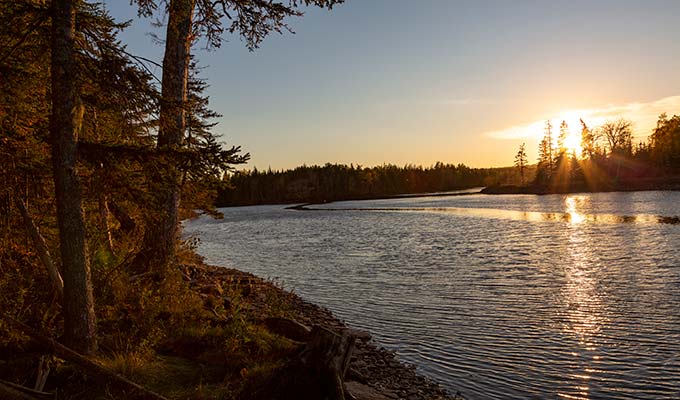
[{"x": 500, "y": 297}]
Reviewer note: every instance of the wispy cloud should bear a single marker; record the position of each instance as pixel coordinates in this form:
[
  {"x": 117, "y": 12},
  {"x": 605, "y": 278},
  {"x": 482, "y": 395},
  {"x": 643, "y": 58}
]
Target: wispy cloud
[{"x": 643, "y": 115}]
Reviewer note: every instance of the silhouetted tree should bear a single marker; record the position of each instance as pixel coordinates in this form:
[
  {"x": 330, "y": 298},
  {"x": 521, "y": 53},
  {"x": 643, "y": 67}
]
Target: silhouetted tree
[
  {"x": 521, "y": 161},
  {"x": 545, "y": 166},
  {"x": 618, "y": 134},
  {"x": 664, "y": 146},
  {"x": 587, "y": 141}
]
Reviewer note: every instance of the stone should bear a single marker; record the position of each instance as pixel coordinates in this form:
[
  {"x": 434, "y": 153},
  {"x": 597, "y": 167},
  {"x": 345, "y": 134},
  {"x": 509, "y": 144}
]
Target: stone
[
  {"x": 359, "y": 334},
  {"x": 359, "y": 391}
]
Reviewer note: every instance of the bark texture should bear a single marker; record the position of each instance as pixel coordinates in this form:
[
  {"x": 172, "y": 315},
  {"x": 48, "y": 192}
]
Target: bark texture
[
  {"x": 161, "y": 239},
  {"x": 65, "y": 123}
]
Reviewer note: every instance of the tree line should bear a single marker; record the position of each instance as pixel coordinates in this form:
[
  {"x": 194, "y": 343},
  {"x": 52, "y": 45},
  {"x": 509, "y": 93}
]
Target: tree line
[{"x": 342, "y": 182}]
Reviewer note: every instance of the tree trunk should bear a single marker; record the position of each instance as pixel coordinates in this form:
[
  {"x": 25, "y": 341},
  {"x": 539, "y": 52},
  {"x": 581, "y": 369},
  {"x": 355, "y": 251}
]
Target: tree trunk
[
  {"x": 65, "y": 122},
  {"x": 161, "y": 237}
]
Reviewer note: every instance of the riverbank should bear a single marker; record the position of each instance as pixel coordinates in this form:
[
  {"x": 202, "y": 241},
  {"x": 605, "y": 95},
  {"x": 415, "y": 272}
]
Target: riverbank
[
  {"x": 374, "y": 373},
  {"x": 206, "y": 332}
]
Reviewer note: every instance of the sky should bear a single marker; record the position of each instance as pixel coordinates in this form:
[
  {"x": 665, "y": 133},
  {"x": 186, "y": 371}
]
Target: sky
[{"x": 416, "y": 82}]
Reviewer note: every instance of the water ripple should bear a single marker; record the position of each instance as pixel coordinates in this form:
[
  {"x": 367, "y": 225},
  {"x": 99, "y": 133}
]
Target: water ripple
[{"x": 498, "y": 297}]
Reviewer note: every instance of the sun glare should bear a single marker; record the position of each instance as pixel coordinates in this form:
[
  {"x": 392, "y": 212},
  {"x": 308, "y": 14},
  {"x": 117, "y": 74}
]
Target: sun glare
[{"x": 573, "y": 144}]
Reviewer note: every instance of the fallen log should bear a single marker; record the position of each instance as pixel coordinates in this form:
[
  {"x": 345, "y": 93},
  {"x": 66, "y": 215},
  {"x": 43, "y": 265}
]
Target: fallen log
[
  {"x": 87, "y": 366},
  {"x": 10, "y": 393}
]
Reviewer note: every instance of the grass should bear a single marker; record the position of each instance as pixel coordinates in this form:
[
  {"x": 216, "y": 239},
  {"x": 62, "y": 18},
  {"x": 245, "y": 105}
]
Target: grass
[{"x": 176, "y": 340}]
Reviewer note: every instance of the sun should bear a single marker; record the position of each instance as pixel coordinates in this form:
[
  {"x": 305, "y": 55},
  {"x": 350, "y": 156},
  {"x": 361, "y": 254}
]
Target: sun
[{"x": 573, "y": 144}]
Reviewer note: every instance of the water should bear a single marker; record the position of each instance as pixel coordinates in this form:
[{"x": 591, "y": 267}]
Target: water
[{"x": 559, "y": 296}]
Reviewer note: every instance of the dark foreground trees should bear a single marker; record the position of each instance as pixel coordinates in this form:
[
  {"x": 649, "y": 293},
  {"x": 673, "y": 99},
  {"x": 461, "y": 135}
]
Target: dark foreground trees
[
  {"x": 72, "y": 98},
  {"x": 123, "y": 151}
]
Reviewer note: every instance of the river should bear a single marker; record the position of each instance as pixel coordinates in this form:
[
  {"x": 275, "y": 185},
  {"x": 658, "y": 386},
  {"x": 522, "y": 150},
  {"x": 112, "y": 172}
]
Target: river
[{"x": 517, "y": 296}]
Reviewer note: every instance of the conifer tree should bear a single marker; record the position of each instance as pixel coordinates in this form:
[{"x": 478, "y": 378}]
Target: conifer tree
[
  {"x": 521, "y": 161},
  {"x": 188, "y": 20}
]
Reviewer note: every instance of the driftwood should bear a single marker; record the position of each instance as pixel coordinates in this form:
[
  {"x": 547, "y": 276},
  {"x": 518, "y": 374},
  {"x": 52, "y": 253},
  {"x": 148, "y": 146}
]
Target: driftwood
[
  {"x": 32, "y": 393},
  {"x": 42, "y": 374},
  {"x": 40, "y": 246},
  {"x": 87, "y": 366},
  {"x": 317, "y": 372},
  {"x": 9, "y": 393}
]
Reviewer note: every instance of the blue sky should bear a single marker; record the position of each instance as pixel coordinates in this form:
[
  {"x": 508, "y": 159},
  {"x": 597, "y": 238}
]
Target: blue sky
[{"x": 396, "y": 81}]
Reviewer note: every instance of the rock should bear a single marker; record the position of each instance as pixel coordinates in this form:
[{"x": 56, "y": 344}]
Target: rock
[
  {"x": 354, "y": 375},
  {"x": 359, "y": 334},
  {"x": 288, "y": 328},
  {"x": 359, "y": 391}
]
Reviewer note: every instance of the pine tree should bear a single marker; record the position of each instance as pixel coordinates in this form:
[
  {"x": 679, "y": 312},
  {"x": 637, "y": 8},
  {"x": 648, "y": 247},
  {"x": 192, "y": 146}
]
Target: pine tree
[
  {"x": 521, "y": 161},
  {"x": 587, "y": 141}
]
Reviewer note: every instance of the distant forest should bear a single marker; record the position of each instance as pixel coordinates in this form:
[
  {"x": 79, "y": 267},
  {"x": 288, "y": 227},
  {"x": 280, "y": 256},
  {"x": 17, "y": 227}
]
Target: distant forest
[{"x": 342, "y": 182}]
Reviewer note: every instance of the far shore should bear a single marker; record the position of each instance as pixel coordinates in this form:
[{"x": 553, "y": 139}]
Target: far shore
[{"x": 630, "y": 185}]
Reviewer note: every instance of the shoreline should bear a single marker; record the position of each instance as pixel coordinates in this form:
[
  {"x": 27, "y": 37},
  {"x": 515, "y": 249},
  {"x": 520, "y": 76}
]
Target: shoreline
[
  {"x": 374, "y": 372},
  {"x": 630, "y": 185}
]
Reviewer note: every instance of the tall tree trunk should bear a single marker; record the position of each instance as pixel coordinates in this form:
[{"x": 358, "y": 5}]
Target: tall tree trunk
[
  {"x": 162, "y": 237},
  {"x": 65, "y": 123}
]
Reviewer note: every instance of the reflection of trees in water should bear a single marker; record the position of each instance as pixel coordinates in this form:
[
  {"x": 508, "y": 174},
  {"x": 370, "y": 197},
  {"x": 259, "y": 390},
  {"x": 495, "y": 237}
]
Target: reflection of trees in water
[{"x": 531, "y": 216}]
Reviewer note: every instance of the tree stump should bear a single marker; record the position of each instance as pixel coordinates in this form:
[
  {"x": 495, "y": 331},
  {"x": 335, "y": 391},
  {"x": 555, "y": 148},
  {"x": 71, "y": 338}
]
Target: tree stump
[{"x": 318, "y": 371}]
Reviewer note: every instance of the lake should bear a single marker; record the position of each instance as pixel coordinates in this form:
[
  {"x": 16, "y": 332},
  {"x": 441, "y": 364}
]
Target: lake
[{"x": 518, "y": 296}]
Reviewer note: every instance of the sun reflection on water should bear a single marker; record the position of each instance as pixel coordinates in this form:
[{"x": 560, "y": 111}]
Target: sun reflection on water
[
  {"x": 583, "y": 302},
  {"x": 571, "y": 203}
]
